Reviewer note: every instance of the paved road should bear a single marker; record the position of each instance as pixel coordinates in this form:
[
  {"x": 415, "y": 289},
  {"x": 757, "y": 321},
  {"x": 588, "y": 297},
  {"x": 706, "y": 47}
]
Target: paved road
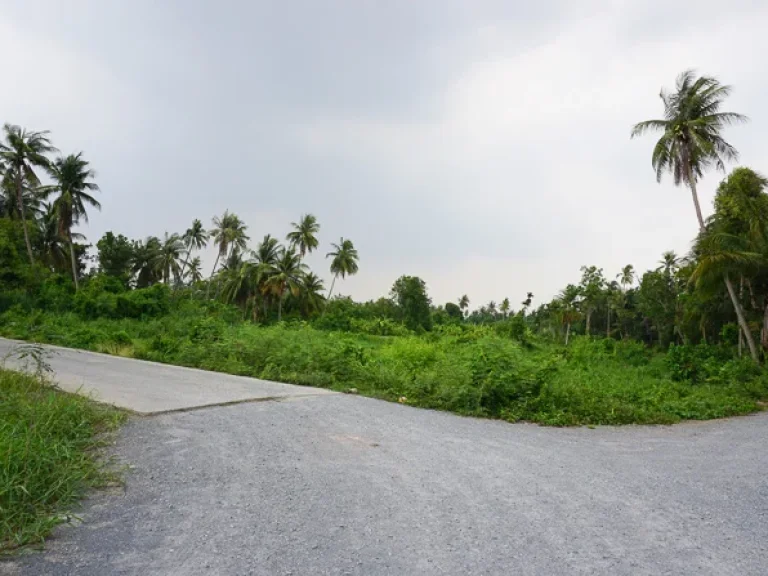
[
  {"x": 148, "y": 387},
  {"x": 339, "y": 484}
]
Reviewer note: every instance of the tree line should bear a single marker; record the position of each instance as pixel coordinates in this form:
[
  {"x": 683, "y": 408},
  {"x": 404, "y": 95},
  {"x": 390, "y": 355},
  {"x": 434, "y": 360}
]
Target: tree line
[
  {"x": 718, "y": 293},
  {"x": 256, "y": 279}
]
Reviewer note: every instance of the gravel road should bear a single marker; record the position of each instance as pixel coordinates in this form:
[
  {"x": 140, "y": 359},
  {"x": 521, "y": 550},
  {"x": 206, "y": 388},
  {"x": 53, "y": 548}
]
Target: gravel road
[{"x": 336, "y": 484}]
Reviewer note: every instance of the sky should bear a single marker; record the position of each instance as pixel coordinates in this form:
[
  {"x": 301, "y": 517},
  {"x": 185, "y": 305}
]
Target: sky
[{"x": 481, "y": 145}]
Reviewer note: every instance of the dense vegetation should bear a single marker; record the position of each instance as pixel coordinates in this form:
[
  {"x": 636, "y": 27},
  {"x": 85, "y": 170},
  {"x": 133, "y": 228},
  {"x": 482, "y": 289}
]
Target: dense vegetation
[
  {"x": 47, "y": 442},
  {"x": 684, "y": 340}
]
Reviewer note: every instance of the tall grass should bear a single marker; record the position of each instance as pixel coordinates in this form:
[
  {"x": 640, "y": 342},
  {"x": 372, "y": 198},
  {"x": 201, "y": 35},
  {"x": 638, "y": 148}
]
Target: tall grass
[
  {"x": 47, "y": 455},
  {"x": 469, "y": 370}
]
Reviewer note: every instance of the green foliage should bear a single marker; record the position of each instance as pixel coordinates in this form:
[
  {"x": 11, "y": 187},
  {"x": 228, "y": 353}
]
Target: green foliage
[
  {"x": 378, "y": 327},
  {"x": 115, "y": 256},
  {"x": 410, "y": 295},
  {"x": 516, "y": 328},
  {"x": 47, "y": 439},
  {"x": 106, "y": 297},
  {"x": 696, "y": 364},
  {"x": 475, "y": 370}
]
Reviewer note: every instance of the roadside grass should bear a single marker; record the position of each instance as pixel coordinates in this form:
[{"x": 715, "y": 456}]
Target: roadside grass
[
  {"x": 49, "y": 455},
  {"x": 474, "y": 372}
]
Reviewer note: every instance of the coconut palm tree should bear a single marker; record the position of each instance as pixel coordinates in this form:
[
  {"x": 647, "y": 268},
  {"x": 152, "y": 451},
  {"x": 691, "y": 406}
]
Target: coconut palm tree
[
  {"x": 304, "y": 234},
  {"x": 169, "y": 257},
  {"x": 691, "y": 127},
  {"x": 285, "y": 276},
  {"x": 265, "y": 259},
  {"x": 228, "y": 235},
  {"x": 32, "y": 198},
  {"x": 670, "y": 263},
  {"x": 53, "y": 246},
  {"x": 195, "y": 238},
  {"x": 312, "y": 293},
  {"x": 194, "y": 270},
  {"x": 344, "y": 262},
  {"x": 146, "y": 256},
  {"x": 504, "y": 307},
  {"x": 626, "y": 277},
  {"x": 723, "y": 255},
  {"x": 21, "y": 153},
  {"x": 267, "y": 251},
  {"x": 71, "y": 177}
]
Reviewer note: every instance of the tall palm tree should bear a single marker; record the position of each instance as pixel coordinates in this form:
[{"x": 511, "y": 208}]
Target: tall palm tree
[
  {"x": 722, "y": 255},
  {"x": 265, "y": 259},
  {"x": 312, "y": 293},
  {"x": 71, "y": 177},
  {"x": 669, "y": 263},
  {"x": 194, "y": 270},
  {"x": 267, "y": 251},
  {"x": 504, "y": 307},
  {"x": 195, "y": 238},
  {"x": 169, "y": 257},
  {"x": 285, "y": 276},
  {"x": 146, "y": 256},
  {"x": 626, "y": 277},
  {"x": 53, "y": 246},
  {"x": 691, "y": 140},
  {"x": 220, "y": 235},
  {"x": 241, "y": 285},
  {"x": 304, "y": 234},
  {"x": 21, "y": 152},
  {"x": 32, "y": 198},
  {"x": 344, "y": 262},
  {"x": 228, "y": 235}
]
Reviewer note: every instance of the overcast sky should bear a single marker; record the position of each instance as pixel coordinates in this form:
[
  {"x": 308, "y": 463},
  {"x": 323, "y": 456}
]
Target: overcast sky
[{"x": 481, "y": 145}]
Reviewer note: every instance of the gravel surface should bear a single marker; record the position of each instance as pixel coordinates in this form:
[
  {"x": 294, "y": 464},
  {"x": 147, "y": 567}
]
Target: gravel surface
[{"x": 341, "y": 484}]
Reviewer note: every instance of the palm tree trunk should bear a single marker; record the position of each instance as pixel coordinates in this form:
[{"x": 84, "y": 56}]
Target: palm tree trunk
[
  {"x": 729, "y": 285},
  {"x": 741, "y": 332},
  {"x": 764, "y": 335},
  {"x": 692, "y": 183},
  {"x": 327, "y": 300},
  {"x": 72, "y": 259},
  {"x": 608, "y": 327},
  {"x": 332, "y": 284},
  {"x": 216, "y": 263},
  {"x": 186, "y": 260},
  {"x": 567, "y": 333},
  {"x": 589, "y": 320},
  {"x": 751, "y": 294},
  {"x": 742, "y": 320},
  {"x": 22, "y": 215}
]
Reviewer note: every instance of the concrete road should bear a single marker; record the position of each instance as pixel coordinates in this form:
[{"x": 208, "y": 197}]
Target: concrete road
[
  {"x": 148, "y": 387},
  {"x": 339, "y": 484}
]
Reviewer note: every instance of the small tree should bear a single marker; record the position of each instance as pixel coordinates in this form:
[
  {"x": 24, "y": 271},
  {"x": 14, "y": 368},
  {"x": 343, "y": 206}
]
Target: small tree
[{"x": 410, "y": 295}]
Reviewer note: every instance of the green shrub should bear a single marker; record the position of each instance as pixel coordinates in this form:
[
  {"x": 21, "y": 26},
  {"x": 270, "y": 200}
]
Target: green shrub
[{"x": 695, "y": 364}]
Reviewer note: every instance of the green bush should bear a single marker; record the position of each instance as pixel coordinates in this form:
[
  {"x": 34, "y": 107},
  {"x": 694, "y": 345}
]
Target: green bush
[{"x": 696, "y": 364}]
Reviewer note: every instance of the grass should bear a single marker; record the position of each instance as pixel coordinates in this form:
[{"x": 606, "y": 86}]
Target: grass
[
  {"x": 473, "y": 370},
  {"x": 48, "y": 455}
]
